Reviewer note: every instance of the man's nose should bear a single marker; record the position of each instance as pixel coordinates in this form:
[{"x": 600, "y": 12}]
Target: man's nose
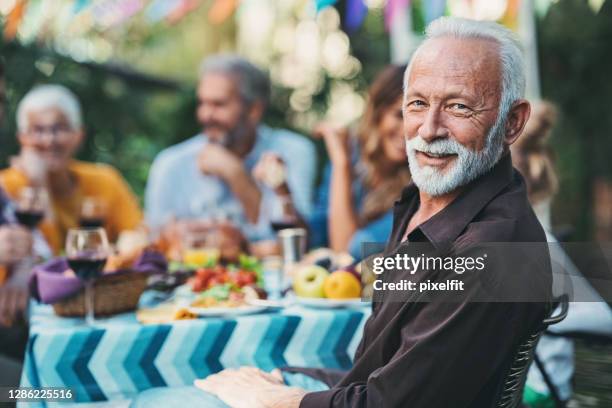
[
  {"x": 432, "y": 127},
  {"x": 47, "y": 139},
  {"x": 208, "y": 113}
]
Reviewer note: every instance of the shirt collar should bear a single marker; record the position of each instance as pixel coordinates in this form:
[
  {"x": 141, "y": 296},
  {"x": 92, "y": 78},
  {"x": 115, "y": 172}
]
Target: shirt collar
[{"x": 447, "y": 225}]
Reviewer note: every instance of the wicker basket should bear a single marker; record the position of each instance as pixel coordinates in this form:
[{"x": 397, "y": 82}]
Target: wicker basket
[{"x": 114, "y": 293}]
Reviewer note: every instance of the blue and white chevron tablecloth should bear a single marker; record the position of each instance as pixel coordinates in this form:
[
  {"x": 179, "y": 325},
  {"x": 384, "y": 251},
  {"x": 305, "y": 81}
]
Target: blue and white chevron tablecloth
[{"x": 120, "y": 357}]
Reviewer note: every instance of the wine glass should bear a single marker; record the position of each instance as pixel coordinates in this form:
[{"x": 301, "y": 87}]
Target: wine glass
[
  {"x": 93, "y": 212},
  {"x": 86, "y": 251},
  {"x": 30, "y": 206},
  {"x": 283, "y": 217}
]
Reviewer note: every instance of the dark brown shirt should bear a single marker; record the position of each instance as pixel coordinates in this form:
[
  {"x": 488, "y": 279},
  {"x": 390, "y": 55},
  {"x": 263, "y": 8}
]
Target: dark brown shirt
[{"x": 440, "y": 353}]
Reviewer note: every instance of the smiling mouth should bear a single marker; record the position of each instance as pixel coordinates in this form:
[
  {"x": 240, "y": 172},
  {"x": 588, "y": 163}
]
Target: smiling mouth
[{"x": 437, "y": 155}]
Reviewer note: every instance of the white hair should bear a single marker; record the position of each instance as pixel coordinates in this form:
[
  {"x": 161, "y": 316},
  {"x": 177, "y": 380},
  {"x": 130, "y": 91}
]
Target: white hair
[
  {"x": 510, "y": 53},
  {"x": 47, "y": 97}
]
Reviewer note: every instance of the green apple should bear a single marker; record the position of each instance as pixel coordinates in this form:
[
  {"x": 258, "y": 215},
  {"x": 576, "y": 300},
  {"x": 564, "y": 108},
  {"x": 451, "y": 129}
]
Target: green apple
[{"x": 308, "y": 281}]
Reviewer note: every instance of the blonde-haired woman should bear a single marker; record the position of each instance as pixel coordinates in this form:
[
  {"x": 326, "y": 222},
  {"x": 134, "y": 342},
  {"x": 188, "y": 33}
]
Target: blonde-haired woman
[{"x": 366, "y": 174}]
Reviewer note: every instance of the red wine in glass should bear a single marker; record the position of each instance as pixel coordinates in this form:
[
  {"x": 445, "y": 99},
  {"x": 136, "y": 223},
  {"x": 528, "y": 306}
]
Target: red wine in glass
[
  {"x": 29, "y": 218},
  {"x": 86, "y": 252},
  {"x": 87, "y": 266},
  {"x": 91, "y": 222}
]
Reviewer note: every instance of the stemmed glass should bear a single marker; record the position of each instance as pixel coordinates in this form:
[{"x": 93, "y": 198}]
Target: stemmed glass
[
  {"x": 86, "y": 251},
  {"x": 30, "y": 206},
  {"x": 93, "y": 213}
]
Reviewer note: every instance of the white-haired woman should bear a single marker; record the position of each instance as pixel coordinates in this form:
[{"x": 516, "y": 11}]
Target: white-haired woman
[{"x": 50, "y": 130}]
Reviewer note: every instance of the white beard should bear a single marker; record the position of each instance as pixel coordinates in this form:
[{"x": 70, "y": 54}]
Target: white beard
[{"x": 467, "y": 166}]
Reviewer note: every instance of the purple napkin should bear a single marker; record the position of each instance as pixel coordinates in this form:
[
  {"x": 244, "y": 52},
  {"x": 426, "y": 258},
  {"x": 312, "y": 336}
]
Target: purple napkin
[{"x": 48, "y": 284}]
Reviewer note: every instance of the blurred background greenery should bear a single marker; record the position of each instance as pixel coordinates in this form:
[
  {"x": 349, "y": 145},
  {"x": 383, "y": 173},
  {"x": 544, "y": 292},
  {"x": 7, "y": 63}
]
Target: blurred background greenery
[{"x": 136, "y": 78}]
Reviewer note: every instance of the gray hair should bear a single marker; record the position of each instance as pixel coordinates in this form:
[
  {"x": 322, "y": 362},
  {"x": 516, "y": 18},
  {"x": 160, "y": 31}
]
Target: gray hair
[
  {"x": 253, "y": 83},
  {"x": 48, "y": 97},
  {"x": 510, "y": 53}
]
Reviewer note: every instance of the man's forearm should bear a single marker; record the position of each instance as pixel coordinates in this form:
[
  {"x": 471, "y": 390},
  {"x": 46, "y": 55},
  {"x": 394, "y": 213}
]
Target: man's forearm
[
  {"x": 244, "y": 188},
  {"x": 342, "y": 217}
]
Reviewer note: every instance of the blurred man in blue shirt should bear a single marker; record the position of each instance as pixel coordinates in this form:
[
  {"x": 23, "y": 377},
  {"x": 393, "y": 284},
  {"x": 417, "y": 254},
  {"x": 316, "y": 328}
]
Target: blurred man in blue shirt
[{"x": 210, "y": 175}]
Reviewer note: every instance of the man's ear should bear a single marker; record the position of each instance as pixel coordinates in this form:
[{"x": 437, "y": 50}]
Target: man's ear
[
  {"x": 256, "y": 111},
  {"x": 517, "y": 118}
]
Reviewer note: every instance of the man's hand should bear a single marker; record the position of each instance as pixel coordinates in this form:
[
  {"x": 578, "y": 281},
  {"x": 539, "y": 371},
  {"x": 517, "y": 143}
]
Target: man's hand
[
  {"x": 13, "y": 303},
  {"x": 216, "y": 160},
  {"x": 249, "y": 387},
  {"x": 15, "y": 244}
]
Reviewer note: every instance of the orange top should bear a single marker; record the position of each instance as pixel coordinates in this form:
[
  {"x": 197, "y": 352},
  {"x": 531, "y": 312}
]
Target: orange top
[
  {"x": 3, "y": 274},
  {"x": 99, "y": 181}
]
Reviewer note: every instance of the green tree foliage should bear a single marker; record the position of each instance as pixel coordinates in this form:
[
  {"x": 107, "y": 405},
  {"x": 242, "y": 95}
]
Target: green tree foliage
[{"x": 575, "y": 47}]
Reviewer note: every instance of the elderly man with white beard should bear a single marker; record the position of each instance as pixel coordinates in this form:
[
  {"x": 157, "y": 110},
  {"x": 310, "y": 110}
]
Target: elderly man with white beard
[{"x": 463, "y": 108}]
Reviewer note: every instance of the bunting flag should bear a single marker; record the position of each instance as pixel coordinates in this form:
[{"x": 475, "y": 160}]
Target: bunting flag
[
  {"x": 14, "y": 18},
  {"x": 183, "y": 8},
  {"x": 356, "y": 12},
  {"x": 321, "y": 4},
  {"x": 113, "y": 12},
  {"x": 160, "y": 9},
  {"x": 80, "y": 5},
  {"x": 511, "y": 16},
  {"x": 221, "y": 10},
  {"x": 434, "y": 9},
  {"x": 392, "y": 9}
]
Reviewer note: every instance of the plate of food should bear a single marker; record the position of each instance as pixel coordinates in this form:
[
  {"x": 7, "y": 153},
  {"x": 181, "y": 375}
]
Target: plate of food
[
  {"x": 325, "y": 303},
  {"x": 225, "y": 290},
  {"x": 314, "y": 286}
]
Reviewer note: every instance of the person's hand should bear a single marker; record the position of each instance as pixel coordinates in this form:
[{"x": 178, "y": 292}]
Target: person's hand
[
  {"x": 336, "y": 142},
  {"x": 15, "y": 244},
  {"x": 272, "y": 172},
  {"x": 216, "y": 160},
  {"x": 250, "y": 387},
  {"x": 13, "y": 303}
]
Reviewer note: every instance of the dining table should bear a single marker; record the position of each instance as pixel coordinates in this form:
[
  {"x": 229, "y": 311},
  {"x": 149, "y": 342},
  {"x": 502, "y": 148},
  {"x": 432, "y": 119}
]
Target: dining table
[{"x": 111, "y": 362}]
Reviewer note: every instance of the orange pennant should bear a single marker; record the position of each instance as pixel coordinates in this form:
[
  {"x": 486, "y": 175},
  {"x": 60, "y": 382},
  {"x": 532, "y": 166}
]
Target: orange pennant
[
  {"x": 511, "y": 16},
  {"x": 184, "y": 7},
  {"x": 221, "y": 10},
  {"x": 14, "y": 19}
]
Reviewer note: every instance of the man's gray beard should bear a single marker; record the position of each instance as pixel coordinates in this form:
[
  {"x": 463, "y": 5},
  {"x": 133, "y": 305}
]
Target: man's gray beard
[
  {"x": 468, "y": 164},
  {"x": 237, "y": 135}
]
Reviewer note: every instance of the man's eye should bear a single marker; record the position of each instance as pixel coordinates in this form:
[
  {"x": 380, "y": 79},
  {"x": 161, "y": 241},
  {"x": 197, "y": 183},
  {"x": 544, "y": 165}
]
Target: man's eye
[
  {"x": 417, "y": 104},
  {"x": 460, "y": 106}
]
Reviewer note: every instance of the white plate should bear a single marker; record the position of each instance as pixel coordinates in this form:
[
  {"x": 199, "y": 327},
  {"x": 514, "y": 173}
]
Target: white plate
[
  {"x": 226, "y": 311},
  {"x": 324, "y": 303}
]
